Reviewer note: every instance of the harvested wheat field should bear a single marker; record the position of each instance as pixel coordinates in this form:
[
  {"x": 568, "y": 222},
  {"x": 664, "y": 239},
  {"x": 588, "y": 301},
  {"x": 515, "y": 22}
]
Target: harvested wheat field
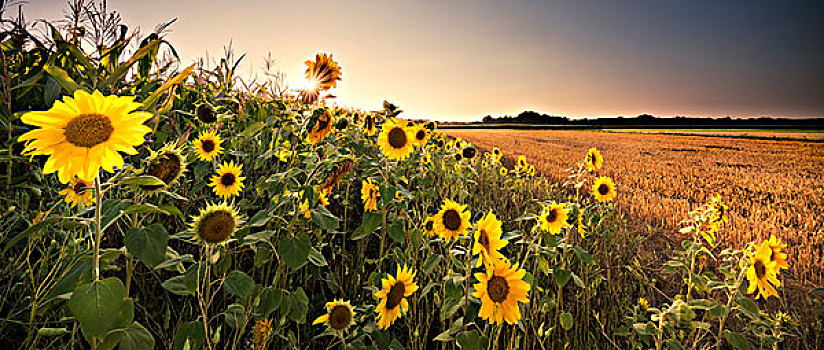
[{"x": 772, "y": 187}]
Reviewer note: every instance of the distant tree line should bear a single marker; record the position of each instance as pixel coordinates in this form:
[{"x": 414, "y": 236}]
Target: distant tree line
[{"x": 648, "y": 120}]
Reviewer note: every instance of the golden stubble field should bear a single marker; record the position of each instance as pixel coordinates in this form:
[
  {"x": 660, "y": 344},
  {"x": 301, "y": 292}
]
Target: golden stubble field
[{"x": 771, "y": 187}]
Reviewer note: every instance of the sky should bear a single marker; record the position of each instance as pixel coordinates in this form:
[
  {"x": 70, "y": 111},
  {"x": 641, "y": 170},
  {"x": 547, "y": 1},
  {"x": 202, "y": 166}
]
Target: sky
[{"x": 459, "y": 60}]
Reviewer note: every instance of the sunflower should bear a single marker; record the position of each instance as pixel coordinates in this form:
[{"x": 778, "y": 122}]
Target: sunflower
[
  {"x": 167, "y": 164},
  {"x": 421, "y": 135},
  {"x": 395, "y": 139},
  {"x": 603, "y": 189},
  {"x": 643, "y": 303},
  {"x": 531, "y": 170},
  {"x": 582, "y": 230},
  {"x": 369, "y": 125},
  {"x": 469, "y": 152},
  {"x": 594, "y": 159},
  {"x": 488, "y": 240},
  {"x": 205, "y": 113},
  {"x": 427, "y": 158},
  {"x": 370, "y": 194},
  {"x": 503, "y": 171},
  {"x": 452, "y": 221},
  {"x": 260, "y": 333},
  {"x": 339, "y": 316},
  {"x": 215, "y": 224},
  {"x": 496, "y": 153},
  {"x": 430, "y": 126},
  {"x": 500, "y": 289},
  {"x": 79, "y": 192},
  {"x": 323, "y": 71},
  {"x": 553, "y": 218},
  {"x": 228, "y": 181},
  {"x": 393, "y": 296},
  {"x": 776, "y": 255},
  {"x": 429, "y": 226},
  {"x": 719, "y": 212},
  {"x": 458, "y": 157},
  {"x": 85, "y": 133},
  {"x": 321, "y": 128},
  {"x": 522, "y": 161},
  {"x": 207, "y": 145},
  {"x": 762, "y": 272},
  {"x": 306, "y": 209}
]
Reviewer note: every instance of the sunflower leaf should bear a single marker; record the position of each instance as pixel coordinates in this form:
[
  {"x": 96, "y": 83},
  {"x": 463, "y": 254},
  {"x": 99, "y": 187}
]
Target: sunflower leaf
[
  {"x": 295, "y": 251},
  {"x": 147, "y": 244},
  {"x": 324, "y": 219},
  {"x": 238, "y": 283}
]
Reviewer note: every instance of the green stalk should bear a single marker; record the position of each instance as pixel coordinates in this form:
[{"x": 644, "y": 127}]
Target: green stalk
[{"x": 98, "y": 234}]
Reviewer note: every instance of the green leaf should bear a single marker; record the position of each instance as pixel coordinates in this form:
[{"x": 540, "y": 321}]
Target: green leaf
[
  {"x": 146, "y": 180},
  {"x": 566, "y": 320},
  {"x": 738, "y": 341},
  {"x": 137, "y": 337},
  {"x": 316, "y": 258},
  {"x": 748, "y": 306},
  {"x": 324, "y": 219},
  {"x": 260, "y": 219},
  {"x": 397, "y": 231},
  {"x": 62, "y": 78},
  {"x": 238, "y": 283},
  {"x": 144, "y": 208},
  {"x": 235, "y": 316},
  {"x": 177, "y": 285},
  {"x": 444, "y": 336},
  {"x": 101, "y": 306},
  {"x": 299, "y": 305},
  {"x": 583, "y": 255},
  {"x": 150, "y": 101},
  {"x": 122, "y": 69},
  {"x": 431, "y": 262},
  {"x": 472, "y": 340},
  {"x": 147, "y": 244},
  {"x": 294, "y": 251},
  {"x": 561, "y": 276},
  {"x": 52, "y": 332},
  {"x": 371, "y": 222},
  {"x": 270, "y": 299},
  {"x": 191, "y": 332}
]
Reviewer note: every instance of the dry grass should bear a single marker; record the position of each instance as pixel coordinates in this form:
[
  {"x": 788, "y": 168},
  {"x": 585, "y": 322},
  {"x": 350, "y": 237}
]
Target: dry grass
[{"x": 772, "y": 187}]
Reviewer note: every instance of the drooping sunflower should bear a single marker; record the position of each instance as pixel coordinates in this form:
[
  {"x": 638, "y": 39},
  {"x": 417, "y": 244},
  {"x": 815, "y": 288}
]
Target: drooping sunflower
[
  {"x": 421, "y": 135},
  {"x": 85, "y": 133},
  {"x": 228, "y": 182},
  {"x": 321, "y": 128},
  {"x": 496, "y": 153},
  {"x": 429, "y": 226},
  {"x": 215, "y": 224},
  {"x": 603, "y": 189},
  {"x": 395, "y": 139},
  {"x": 469, "y": 152},
  {"x": 392, "y": 297},
  {"x": 500, "y": 290},
  {"x": 324, "y": 71},
  {"x": 594, "y": 159},
  {"x": 339, "y": 315},
  {"x": 488, "y": 240},
  {"x": 79, "y": 192},
  {"x": 260, "y": 333},
  {"x": 762, "y": 272},
  {"x": 167, "y": 164},
  {"x": 206, "y": 113},
  {"x": 370, "y": 194},
  {"x": 369, "y": 125},
  {"x": 776, "y": 255},
  {"x": 207, "y": 145},
  {"x": 553, "y": 218},
  {"x": 452, "y": 221}
]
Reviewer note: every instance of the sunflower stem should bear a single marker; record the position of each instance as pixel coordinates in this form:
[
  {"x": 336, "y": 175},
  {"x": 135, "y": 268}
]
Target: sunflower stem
[
  {"x": 733, "y": 290},
  {"x": 98, "y": 229}
]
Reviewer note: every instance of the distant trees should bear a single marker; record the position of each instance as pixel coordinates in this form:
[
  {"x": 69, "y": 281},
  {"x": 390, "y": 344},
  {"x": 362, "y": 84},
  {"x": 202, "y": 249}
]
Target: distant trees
[{"x": 532, "y": 117}]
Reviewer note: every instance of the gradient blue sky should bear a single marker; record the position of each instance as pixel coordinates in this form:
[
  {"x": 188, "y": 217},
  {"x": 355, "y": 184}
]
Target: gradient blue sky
[{"x": 461, "y": 60}]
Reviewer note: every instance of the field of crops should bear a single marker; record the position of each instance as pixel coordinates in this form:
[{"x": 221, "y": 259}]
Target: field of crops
[
  {"x": 152, "y": 204},
  {"x": 772, "y": 187}
]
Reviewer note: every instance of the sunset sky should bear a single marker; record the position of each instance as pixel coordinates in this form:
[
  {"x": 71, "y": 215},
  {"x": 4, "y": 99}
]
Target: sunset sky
[{"x": 461, "y": 60}]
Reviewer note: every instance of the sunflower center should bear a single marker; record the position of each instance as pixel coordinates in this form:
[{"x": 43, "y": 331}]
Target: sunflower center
[
  {"x": 88, "y": 130},
  {"x": 397, "y": 138},
  {"x": 166, "y": 168},
  {"x": 216, "y": 227},
  {"x": 451, "y": 220},
  {"x": 469, "y": 152},
  {"x": 340, "y": 317},
  {"x": 208, "y": 146},
  {"x": 206, "y": 114},
  {"x": 429, "y": 225},
  {"x": 420, "y": 135},
  {"x": 370, "y": 123},
  {"x": 483, "y": 239},
  {"x": 79, "y": 188},
  {"x": 227, "y": 179},
  {"x": 760, "y": 269},
  {"x": 430, "y": 126},
  {"x": 393, "y": 299},
  {"x": 497, "y": 289},
  {"x": 552, "y": 215},
  {"x": 603, "y": 189},
  {"x": 323, "y": 122}
]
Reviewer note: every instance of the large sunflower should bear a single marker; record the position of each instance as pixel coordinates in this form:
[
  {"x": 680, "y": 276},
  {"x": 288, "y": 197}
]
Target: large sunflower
[
  {"x": 603, "y": 189},
  {"x": 85, "y": 133},
  {"x": 762, "y": 272},
  {"x": 339, "y": 315},
  {"x": 488, "y": 240},
  {"x": 452, "y": 221},
  {"x": 393, "y": 295},
  {"x": 500, "y": 289},
  {"x": 79, "y": 192},
  {"x": 228, "y": 181},
  {"x": 370, "y": 194},
  {"x": 594, "y": 159},
  {"x": 321, "y": 128},
  {"x": 323, "y": 71},
  {"x": 167, "y": 164},
  {"x": 395, "y": 139},
  {"x": 215, "y": 224},
  {"x": 553, "y": 218},
  {"x": 776, "y": 255},
  {"x": 207, "y": 145}
]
